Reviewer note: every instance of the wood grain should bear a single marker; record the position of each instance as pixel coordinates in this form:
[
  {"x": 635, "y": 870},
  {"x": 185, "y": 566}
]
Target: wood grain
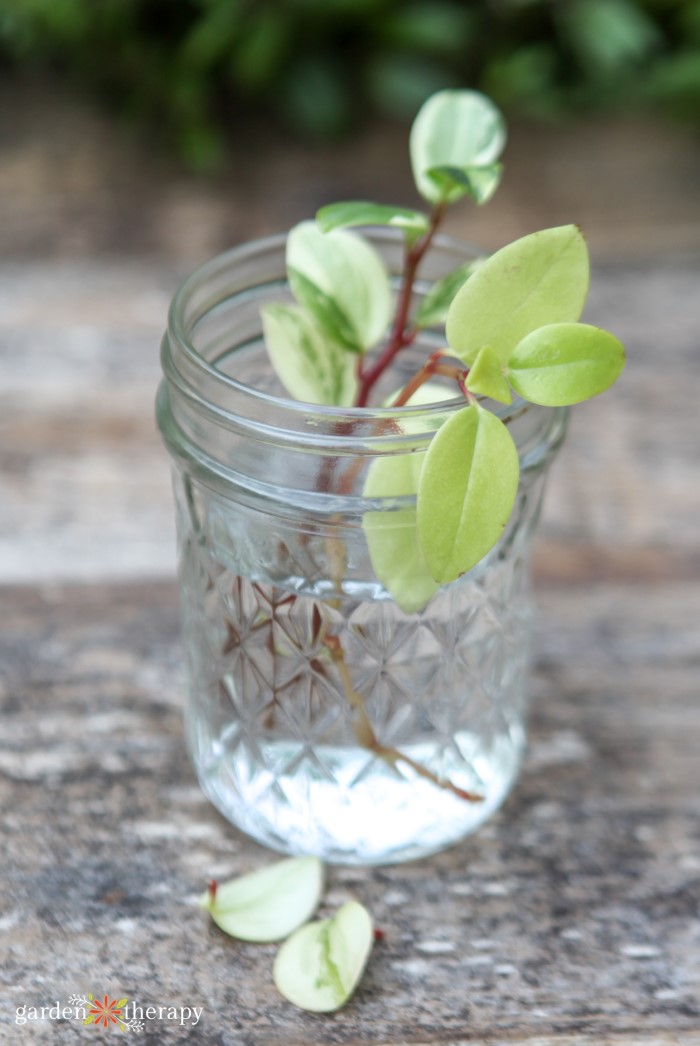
[{"x": 571, "y": 918}]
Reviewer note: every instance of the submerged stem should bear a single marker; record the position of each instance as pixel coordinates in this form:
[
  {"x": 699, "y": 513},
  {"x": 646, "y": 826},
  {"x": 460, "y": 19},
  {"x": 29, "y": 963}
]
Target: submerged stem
[{"x": 367, "y": 737}]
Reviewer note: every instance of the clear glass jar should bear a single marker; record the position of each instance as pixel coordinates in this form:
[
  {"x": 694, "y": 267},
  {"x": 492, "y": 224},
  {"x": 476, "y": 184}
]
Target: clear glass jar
[{"x": 321, "y": 718}]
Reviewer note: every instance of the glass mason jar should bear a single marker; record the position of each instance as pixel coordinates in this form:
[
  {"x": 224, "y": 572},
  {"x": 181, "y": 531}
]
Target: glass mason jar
[{"x": 322, "y": 718}]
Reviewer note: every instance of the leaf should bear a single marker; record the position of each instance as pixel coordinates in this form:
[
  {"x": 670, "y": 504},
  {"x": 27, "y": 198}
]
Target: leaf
[
  {"x": 341, "y": 268},
  {"x": 392, "y": 536},
  {"x": 565, "y": 363},
  {"x": 320, "y": 965},
  {"x": 324, "y": 310},
  {"x": 466, "y": 491},
  {"x": 454, "y": 129},
  {"x": 432, "y": 25},
  {"x": 541, "y": 278},
  {"x": 609, "y": 36},
  {"x": 433, "y": 309},
  {"x": 479, "y": 183},
  {"x": 311, "y": 366},
  {"x": 269, "y": 904},
  {"x": 358, "y": 212},
  {"x": 122, "y": 1003},
  {"x": 486, "y": 377}
]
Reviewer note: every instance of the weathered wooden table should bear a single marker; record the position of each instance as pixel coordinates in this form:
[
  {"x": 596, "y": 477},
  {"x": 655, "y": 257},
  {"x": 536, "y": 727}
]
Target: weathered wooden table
[{"x": 572, "y": 918}]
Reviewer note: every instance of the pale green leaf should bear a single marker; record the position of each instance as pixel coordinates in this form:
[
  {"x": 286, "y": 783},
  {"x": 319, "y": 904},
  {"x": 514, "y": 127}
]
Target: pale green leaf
[
  {"x": 311, "y": 366},
  {"x": 358, "y": 212},
  {"x": 392, "y": 536},
  {"x": 539, "y": 279},
  {"x": 320, "y": 965},
  {"x": 485, "y": 377},
  {"x": 433, "y": 309},
  {"x": 325, "y": 311},
  {"x": 269, "y": 904},
  {"x": 454, "y": 129},
  {"x": 466, "y": 491},
  {"x": 478, "y": 183},
  {"x": 346, "y": 270},
  {"x": 565, "y": 363}
]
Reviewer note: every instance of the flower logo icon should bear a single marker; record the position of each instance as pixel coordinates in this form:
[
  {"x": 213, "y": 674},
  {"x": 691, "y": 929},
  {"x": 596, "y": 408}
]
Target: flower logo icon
[{"x": 106, "y": 1012}]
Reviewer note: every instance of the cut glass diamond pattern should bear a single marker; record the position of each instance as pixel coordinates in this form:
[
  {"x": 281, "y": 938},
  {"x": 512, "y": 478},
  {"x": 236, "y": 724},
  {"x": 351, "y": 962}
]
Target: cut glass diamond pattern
[{"x": 272, "y": 728}]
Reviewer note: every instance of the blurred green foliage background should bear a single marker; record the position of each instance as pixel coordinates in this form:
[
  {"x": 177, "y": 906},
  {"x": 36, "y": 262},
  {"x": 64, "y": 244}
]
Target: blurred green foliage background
[{"x": 190, "y": 69}]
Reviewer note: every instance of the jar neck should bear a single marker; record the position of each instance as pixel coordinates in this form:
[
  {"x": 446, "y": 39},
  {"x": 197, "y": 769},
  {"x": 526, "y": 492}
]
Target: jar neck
[{"x": 223, "y": 417}]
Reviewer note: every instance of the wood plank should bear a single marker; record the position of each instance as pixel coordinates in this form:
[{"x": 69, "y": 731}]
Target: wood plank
[
  {"x": 72, "y": 183},
  {"x": 85, "y": 481},
  {"x": 572, "y": 918}
]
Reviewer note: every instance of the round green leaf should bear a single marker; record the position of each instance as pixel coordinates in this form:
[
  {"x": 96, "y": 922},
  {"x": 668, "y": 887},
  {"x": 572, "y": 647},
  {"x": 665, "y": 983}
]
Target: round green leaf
[
  {"x": 392, "y": 536},
  {"x": 565, "y": 363},
  {"x": 454, "y": 129},
  {"x": 269, "y": 904},
  {"x": 311, "y": 366},
  {"x": 486, "y": 377},
  {"x": 358, "y": 212},
  {"x": 539, "y": 279},
  {"x": 466, "y": 491},
  {"x": 342, "y": 268},
  {"x": 320, "y": 965}
]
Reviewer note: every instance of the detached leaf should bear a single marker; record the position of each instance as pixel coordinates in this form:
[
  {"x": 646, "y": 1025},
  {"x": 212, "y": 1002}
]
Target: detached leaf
[
  {"x": 311, "y": 366},
  {"x": 268, "y": 905},
  {"x": 358, "y": 212},
  {"x": 320, "y": 966},
  {"x": 392, "y": 537},
  {"x": 454, "y": 129},
  {"x": 466, "y": 491},
  {"x": 486, "y": 377},
  {"x": 341, "y": 268},
  {"x": 565, "y": 363},
  {"x": 478, "y": 183},
  {"x": 537, "y": 280},
  {"x": 433, "y": 309}
]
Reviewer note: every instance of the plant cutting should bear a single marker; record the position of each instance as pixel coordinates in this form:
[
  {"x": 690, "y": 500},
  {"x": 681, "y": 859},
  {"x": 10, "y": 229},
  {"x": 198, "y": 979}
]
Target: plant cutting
[{"x": 362, "y": 424}]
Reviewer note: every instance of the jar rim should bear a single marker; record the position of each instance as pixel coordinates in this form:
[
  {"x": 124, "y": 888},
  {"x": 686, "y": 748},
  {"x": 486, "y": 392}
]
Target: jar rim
[{"x": 214, "y": 269}]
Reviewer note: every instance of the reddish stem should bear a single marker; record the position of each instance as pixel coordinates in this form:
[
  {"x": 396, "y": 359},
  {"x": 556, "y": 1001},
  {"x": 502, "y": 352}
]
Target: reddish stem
[
  {"x": 399, "y": 337},
  {"x": 212, "y": 888},
  {"x": 432, "y": 366}
]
